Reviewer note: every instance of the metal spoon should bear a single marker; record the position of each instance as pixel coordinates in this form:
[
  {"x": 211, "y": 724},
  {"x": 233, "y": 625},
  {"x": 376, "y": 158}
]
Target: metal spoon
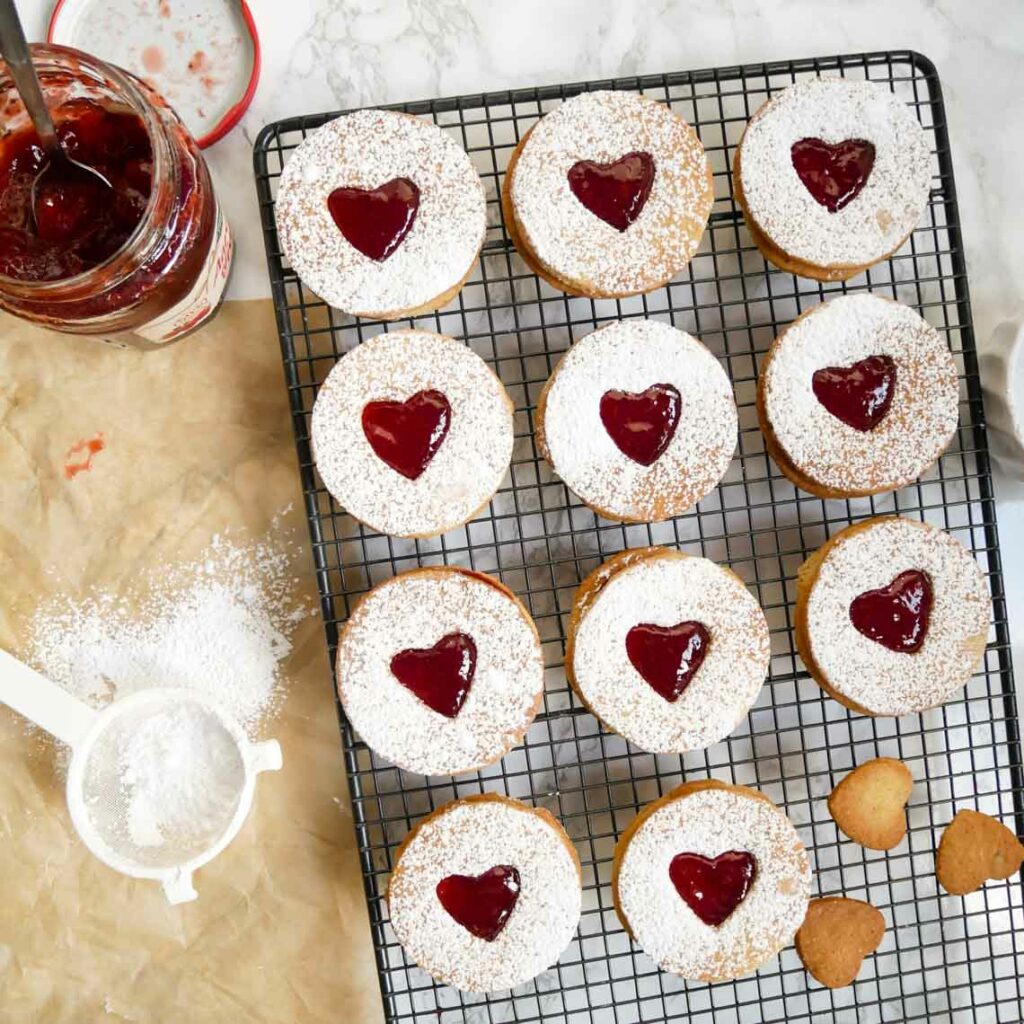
[{"x": 14, "y": 50}]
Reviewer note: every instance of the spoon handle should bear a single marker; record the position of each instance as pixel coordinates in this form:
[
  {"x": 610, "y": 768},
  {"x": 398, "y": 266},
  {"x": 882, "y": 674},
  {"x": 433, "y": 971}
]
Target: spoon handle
[{"x": 16, "y": 55}]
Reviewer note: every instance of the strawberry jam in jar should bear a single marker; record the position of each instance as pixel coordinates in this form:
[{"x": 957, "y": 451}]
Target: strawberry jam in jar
[{"x": 142, "y": 263}]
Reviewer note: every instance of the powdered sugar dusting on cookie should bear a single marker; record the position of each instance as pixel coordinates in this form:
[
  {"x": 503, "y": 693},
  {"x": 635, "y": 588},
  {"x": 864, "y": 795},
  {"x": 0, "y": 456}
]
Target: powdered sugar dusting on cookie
[
  {"x": 920, "y": 422},
  {"x": 889, "y": 206},
  {"x": 883, "y": 681},
  {"x": 365, "y": 150},
  {"x": 412, "y": 612},
  {"x": 468, "y": 838},
  {"x": 711, "y": 822}
]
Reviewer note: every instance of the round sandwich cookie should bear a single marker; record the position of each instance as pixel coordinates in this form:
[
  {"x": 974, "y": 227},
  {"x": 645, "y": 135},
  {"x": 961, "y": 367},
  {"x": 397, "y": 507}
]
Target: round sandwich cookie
[
  {"x": 666, "y": 649},
  {"x": 608, "y": 195},
  {"x": 381, "y": 214},
  {"x": 412, "y": 433},
  {"x": 486, "y": 893},
  {"x": 858, "y": 396},
  {"x": 639, "y": 420},
  {"x": 440, "y": 670},
  {"x": 832, "y": 176},
  {"x": 892, "y": 616},
  {"x": 711, "y": 880}
]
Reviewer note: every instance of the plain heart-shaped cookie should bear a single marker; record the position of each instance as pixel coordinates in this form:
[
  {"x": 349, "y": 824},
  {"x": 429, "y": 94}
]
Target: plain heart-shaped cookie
[
  {"x": 836, "y": 935},
  {"x": 973, "y": 849},
  {"x": 406, "y": 435},
  {"x": 869, "y": 805},
  {"x": 481, "y": 903},
  {"x": 616, "y": 191},
  {"x": 441, "y": 675},
  {"x": 375, "y": 220},
  {"x": 642, "y": 424},
  {"x": 833, "y": 173}
]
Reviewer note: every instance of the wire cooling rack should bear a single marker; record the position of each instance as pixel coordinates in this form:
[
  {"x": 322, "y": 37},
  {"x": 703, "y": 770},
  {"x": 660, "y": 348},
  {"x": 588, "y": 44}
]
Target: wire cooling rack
[{"x": 943, "y": 958}]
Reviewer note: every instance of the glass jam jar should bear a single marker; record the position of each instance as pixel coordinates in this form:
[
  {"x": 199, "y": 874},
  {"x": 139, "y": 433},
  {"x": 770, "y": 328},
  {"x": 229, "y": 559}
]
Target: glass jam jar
[{"x": 142, "y": 265}]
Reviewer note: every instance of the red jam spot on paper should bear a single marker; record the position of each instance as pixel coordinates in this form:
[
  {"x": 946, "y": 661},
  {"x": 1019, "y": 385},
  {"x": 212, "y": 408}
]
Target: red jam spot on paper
[
  {"x": 440, "y": 675},
  {"x": 668, "y": 657},
  {"x": 713, "y": 888},
  {"x": 641, "y": 425},
  {"x": 859, "y": 395},
  {"x": 376, "y": 221},
  {"x": 89, "y": 448},
  {"x": 896, "y": 616},
  {"x": 834, "y": 173},
  {"x": 481, "y": 903},
  {"x": 406, "y": 435},
  {"x": 617, "y": 191}
]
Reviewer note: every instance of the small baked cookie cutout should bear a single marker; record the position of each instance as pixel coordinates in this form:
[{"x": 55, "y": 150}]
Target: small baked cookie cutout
[
  {"x": 836, "y": 936},
  {"x": 639, "y": 420},
  {"x": 973, "y": 849},
  {"x": 412, "y": 433},
  {"x": 608, "y": 195},
  {"x": 485, "y": 893},
  {"x": 892, "y": 616},
  {"x": 869, "y": 804},
  {"x": 381, "y": 214},
  {"x": 858, "y": 396},
  {"x": 832, "y": 176},
  {"x": 666, "y": 649},
  {"x": 711, "y": 880},
  {"x": 440, "y": 670}
]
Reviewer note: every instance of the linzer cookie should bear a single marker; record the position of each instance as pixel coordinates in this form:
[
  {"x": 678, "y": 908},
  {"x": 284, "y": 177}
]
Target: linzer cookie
[
  {"x": 608, "y": 195},
  {"x": 381, "y": 214},
  {"x": 639, "y": 420},
  {"x": 412, "y": 433},
  {"x": 440, "y": 670},
  {"x": 857, "y": 397},
  {"x": 832, "y": 175},
  {"x": 891, "y": 616},
  {"x": 485, "y": 893},
  {"x": 711, "y": 880},
  {"x": 666, "y": 649}
]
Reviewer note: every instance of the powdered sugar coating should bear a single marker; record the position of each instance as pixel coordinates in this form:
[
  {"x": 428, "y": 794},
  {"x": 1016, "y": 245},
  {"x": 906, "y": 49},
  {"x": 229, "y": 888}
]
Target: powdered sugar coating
[
  {"x": 469, "y": 837},
  {"x": 631, "y": 355},
  {"x": 710, "y": 822},
  {"x": 367, "y": 149},
  {"x": 919, "y": 424},
  {"x": 412, "y": 612},
  {"x": 579, "y": 246},
  {"x": 665, "y": 588},
  {"x": 887, "y": 682},
  {"x": 466, "y": 469},
  {"x": 889, "y": 206}
]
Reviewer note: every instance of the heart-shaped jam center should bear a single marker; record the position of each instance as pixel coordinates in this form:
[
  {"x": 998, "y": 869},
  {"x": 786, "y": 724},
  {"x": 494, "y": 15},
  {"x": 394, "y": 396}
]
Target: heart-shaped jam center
[
  {"x": 440, "y": 675},
  {"x": 617, "y": 191},
  {"x": 375, "y": 220},
  {"x": 668, "y": 656},
  {"x": 859, "y": 395},
  {"x": 481, "y": 903},
  {"x": 641, "y": 425},
  {"x": 896, "y": 616},
  {"x": 713, "y": 887},
  {"x": 834, "y": 173},
  {"x": 406, "y": 435}
]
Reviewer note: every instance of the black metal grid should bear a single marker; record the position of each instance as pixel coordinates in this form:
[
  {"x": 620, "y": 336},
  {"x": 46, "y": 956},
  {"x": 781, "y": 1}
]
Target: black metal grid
[{"x": 943, "y": 958}]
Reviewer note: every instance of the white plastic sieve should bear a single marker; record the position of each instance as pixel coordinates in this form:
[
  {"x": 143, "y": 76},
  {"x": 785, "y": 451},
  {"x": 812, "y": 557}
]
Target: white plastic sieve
[{"x": 96, "y": 792}]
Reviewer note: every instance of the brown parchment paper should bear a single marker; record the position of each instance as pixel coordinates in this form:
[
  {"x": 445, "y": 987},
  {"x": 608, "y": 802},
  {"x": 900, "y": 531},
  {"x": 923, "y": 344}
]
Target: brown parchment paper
[{"x": 198, "y": 440}]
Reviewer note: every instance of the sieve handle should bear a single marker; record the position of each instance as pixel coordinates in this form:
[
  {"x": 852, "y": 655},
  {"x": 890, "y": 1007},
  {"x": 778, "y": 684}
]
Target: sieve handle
[{"x": 43, "y": 702}]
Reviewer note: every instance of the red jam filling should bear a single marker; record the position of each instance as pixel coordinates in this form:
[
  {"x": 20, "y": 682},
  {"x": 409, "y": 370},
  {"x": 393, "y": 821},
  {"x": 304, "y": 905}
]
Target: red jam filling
[
  {"x": 441, "y": 675},
  {"x": 617, "y": 191},
  {"x": 668, "y": 657},
  {"x": 375, "y": 221},
  {"x": 713, "y": 888},
  {"x": 859, "y": 395},
  {"x": 406, "y": 435},
  {"x": 641, "y": 425},
  {"x": 79, "y": 223},
  {"x": 896, "y": 616},
  {"x": 834, "y": 173},
  {"x": 481, "y": 903}
]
